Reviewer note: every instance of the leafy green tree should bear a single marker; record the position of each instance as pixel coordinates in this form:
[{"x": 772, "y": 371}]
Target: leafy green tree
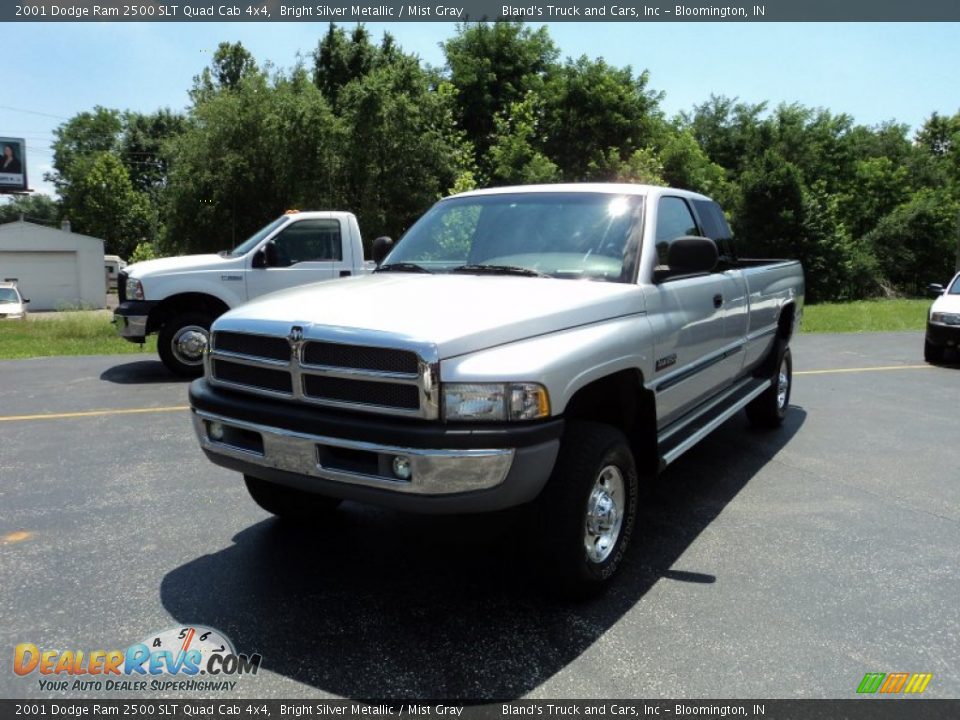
[
  {"x": 916, "y": 243},
  {"x": 35, "y": 208},
  {"x": 249, "y": 152},
  {"x": 84, "y": 134},
  {"x": 142, "y": 148},
  {"x": 514, "y": 157},
  {"x": 104, "y": 204},
  {"x": 592, "y": 107},
  {"x": 399, "y": 152},
  {"x": 493, "y": 66}
]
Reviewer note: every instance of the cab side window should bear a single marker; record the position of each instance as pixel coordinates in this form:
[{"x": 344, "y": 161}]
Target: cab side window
[
  {"x": 674, "y": 220},
  {"x": 308, "y": 241}
]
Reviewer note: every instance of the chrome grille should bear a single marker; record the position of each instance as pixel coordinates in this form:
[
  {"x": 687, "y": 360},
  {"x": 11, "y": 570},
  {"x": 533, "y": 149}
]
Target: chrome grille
[
  {"x": 254, "y": 345},
  {"x": 360, "y": 357},
  {"x": 309, "y": 367},
  {"x": 361, "y": 391},
  {"x": 252, "y": 376}
]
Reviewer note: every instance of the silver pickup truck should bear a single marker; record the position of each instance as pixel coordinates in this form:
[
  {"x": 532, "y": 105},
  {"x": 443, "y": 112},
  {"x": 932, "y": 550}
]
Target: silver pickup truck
[{"x": 553, "y": 345}]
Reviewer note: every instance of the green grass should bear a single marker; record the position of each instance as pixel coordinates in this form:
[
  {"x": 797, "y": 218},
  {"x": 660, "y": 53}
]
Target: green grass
[
  {"x": 83, "y": 332},
  {"x": 866, "y": 316}
]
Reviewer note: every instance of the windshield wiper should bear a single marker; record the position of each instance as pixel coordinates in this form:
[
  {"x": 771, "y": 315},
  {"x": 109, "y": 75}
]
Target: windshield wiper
[
  {"x": 403, "y": 267},
  {"x": 499, "y": 270}
]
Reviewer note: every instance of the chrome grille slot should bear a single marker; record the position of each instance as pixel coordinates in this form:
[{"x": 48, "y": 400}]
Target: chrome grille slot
[
  {"x": 316, "y": 365},
  {"x": 252, "y": 376},
  {"x": 262, "y": 346},
  {"x": 360, "y": 357},
  {"x": 363, "y": 392}
]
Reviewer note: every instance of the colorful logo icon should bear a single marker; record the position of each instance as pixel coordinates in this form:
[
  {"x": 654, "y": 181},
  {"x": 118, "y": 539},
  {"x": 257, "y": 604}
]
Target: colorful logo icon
[{"x": 894, "y": 683}]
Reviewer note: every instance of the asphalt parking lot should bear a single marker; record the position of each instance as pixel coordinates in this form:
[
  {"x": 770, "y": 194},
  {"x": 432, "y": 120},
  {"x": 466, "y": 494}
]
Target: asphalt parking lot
[{"x": 783, "y": 564}]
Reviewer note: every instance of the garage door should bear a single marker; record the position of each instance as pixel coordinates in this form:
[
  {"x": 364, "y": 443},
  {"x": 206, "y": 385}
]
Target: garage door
[{"x": 49, "y": 279}]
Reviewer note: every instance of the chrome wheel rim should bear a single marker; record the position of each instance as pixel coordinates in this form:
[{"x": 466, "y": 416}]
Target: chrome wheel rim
[
  {"x": 604, "y": 516},
  {"x": 783, "y": 385},
  {"x": 188, "y": 344}
]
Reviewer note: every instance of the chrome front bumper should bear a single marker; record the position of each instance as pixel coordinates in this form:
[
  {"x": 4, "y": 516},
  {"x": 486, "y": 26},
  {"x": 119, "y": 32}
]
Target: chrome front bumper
[
  {"x": 433, "y": 471},
  {"x": 132, "y": 327}
]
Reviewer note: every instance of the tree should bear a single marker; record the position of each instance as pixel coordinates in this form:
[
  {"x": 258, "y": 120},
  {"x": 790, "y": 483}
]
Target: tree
[
  {"x": 492, "y": 66},
  {"x": 142, "y": 148},
  {"x": 84, "y": 134},
  {"x": 916, "y": 243},
  {"x": 514, "y": 155},
  {"x": 592, "y": 107},
  {"x": 248, "y": 153},
  {"x": 35, "y": 208},
  {"x": 401, "y": 152},
  {"x": 104, "y": 204}
]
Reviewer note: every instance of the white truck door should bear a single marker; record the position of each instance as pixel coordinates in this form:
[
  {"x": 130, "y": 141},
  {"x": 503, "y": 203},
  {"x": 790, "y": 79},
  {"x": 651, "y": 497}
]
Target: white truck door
[{"x": 305, "y": 251}]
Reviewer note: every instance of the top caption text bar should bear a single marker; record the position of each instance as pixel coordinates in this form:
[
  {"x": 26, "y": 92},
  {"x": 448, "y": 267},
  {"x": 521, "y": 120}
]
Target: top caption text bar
[{"x": 463, "y": 10}]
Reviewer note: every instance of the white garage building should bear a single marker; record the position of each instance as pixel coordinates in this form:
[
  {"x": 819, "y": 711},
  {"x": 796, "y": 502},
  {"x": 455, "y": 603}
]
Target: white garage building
[{"x": 54, "y": 268}]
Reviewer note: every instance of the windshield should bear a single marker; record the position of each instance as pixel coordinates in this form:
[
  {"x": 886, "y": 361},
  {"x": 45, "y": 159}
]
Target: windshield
[
  {"x": 955, "y": 288},
  {"x": 9, "y": 295},
  {"x": 565, "y": 235},
  {"x": 251, "y": 242}
]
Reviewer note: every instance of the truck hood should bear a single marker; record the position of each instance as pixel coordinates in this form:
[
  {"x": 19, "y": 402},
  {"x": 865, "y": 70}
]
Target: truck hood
[
  {"x": 457, "y": 313},
  {"x": 162, "y": 266},
  {"x": 948, "y": 303}
]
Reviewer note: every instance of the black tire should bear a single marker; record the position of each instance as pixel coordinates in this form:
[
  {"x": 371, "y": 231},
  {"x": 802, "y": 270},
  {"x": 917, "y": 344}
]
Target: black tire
[
  {"x": 769, "y": 409},
  {"x": 933, "y": 354},
  {"x": 573, "y": 564},
  {"x": 289, "y": 503},
  {"x": 178, "y": 356}
]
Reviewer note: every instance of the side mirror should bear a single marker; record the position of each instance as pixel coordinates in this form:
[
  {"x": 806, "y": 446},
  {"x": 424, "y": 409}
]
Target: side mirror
[
  {"x": 935, "y": 289},
  {"x": 259, "y": 260},
  {"x": 381, "y": 248},
  {"x": 690, "y": 255},
  {"x": 25, "y": 300}
]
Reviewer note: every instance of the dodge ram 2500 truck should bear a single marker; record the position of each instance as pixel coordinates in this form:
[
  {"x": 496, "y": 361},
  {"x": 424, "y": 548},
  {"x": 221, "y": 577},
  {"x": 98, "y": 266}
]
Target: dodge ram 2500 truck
[
  {"x": 178, "y": 297},
  {"x": 547, "y": 344}
]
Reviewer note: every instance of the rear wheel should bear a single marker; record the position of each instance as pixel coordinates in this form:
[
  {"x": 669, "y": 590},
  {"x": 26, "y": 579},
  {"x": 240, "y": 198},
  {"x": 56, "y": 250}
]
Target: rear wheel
[
  {"x": 588, "y": 510},
  {"x": 770, "y": 408},
  {"x": 289, "y": 503},
  {"x": 182, "y": 341}
]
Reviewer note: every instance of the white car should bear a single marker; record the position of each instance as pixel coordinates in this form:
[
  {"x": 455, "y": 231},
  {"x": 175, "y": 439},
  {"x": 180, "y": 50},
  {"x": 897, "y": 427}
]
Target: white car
[
  {"x": 12, "y": 304},
  {"x": 943, "y": 323}
]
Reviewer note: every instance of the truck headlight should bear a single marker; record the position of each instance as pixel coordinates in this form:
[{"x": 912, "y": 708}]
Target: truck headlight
[
  {"x": 134, "y": 289},
  {"x": 495, "y": 401},
  {"x": 945, "y": 318}
]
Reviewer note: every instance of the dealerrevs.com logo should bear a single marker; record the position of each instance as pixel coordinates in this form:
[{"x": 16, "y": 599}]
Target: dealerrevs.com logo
[{"x": 178, "y": 659}]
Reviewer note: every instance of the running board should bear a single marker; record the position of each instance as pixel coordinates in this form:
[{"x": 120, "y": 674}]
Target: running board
[{"x": 694, "y": 429}]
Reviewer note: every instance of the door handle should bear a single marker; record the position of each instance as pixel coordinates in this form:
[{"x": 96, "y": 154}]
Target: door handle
[{"x": 717, "y": 300}]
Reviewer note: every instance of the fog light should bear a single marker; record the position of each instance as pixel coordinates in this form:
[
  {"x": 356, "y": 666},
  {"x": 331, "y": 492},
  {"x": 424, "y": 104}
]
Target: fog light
[
  {"x": 401, "y": 467},
  {"x": 215, "y": 430}
]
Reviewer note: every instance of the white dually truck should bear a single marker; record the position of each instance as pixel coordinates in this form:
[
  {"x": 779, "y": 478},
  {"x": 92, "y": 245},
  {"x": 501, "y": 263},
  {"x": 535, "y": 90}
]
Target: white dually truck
[
  {"x": 179, "y": 297},
  {"x": 551, "y": 346}
]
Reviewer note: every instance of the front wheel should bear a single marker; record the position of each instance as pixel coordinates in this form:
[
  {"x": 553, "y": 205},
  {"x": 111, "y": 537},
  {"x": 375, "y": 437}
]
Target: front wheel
[
  {"x": 182, "y": 341},
  {"x": 289, "y": 503},
  {"x": 588, "y": 510},
  {"x": 933, "y": 354},
  {"x": 770, "y": 408}
]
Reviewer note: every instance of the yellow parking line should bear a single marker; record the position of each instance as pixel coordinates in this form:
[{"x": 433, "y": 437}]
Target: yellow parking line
[
  {"x": 92, "y": 413},
  {"x": 862, "y": 369}
]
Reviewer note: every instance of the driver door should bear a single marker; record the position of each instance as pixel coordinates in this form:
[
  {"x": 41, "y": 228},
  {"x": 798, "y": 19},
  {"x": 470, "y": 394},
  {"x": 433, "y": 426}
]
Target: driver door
[{"x": 305, "y": 251}]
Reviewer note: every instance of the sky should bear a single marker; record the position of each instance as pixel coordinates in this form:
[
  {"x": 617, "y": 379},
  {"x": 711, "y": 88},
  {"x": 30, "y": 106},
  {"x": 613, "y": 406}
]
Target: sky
[{"x": 874, "y": 72}]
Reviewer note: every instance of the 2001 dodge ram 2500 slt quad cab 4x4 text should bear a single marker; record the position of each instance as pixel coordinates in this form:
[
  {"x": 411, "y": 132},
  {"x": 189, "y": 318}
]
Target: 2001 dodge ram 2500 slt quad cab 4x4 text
[
  {"x": 546, "y": 344},
  {"x": 179, "y": 297}
]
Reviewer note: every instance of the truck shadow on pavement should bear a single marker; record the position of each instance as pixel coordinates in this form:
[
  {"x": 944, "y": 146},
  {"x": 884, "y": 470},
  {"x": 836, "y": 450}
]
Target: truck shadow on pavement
[
  {"x": 377, "y": 604},
  {"x": 140, "y": 372}
]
